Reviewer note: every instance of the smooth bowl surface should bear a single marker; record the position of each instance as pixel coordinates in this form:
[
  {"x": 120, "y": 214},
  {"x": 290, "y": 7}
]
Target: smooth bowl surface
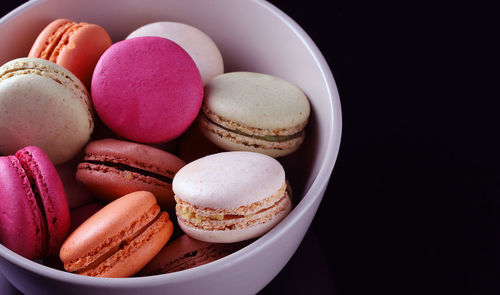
[{"x": 252, "y": 35}]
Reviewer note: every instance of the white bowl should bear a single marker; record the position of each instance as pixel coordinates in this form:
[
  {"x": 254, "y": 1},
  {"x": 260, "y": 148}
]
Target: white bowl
[{"x": 252, "y": 35}]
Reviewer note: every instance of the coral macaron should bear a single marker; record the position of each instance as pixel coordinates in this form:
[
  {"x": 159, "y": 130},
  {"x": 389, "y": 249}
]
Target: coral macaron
[
  {"x": 112, "y": 168},
  {"x": 119, "y": 239},
  {"x": 34, "y": 213},
  {"x": 147, "y": 89},
  {"x": 74, "y": 46},
  {"x": 230, "y": 196}
]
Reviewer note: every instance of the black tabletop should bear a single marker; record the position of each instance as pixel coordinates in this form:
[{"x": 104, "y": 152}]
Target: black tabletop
[{"x": 412, "y": 205}]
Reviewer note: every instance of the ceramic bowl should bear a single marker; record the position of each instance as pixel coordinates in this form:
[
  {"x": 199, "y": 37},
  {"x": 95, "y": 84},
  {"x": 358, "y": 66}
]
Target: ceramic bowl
[{"x": 252, "y": 35}]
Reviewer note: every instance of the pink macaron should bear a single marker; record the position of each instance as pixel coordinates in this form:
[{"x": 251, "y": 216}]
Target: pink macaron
[
  {"x": 34, "y": 213},
  {"x": 147, "y": 89}
]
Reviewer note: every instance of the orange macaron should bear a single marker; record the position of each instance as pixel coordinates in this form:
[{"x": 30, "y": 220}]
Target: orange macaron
[
  {"x": 72, "y": 45},
  {"x": 119, "y": 239}
]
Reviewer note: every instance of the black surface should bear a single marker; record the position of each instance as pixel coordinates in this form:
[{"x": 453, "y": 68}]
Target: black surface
[{"x": 412, "y": 206}]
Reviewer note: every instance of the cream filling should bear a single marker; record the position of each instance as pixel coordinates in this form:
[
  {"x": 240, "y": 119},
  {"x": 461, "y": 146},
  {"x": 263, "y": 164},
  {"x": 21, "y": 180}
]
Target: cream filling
[{"x": 197, "y": 218}]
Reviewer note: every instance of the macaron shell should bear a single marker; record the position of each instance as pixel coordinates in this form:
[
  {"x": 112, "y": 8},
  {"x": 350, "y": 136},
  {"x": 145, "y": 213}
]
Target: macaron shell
[
  {"x": 197, "y": 44},
  {"x": 229, "y": 180},
  {"x": 43, "y": 104},
  {"x": 147, "y": 89},
  {"x": 20, "y": 228},
  {"x": 51, "y": 191},
  {"x": 257, "y": 100},
  {"x": 241, "y": 234}
]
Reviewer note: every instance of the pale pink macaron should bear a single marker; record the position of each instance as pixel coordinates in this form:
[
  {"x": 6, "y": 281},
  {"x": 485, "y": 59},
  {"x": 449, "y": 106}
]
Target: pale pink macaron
[
  {"x": 231, "y": 196},
  {"x": 197, "y": 44},
  {"x": 147, "y": 89}
]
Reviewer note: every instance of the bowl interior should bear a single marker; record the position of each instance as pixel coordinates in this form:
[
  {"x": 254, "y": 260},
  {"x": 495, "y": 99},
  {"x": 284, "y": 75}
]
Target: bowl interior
[{"x": 252, "y": 36}]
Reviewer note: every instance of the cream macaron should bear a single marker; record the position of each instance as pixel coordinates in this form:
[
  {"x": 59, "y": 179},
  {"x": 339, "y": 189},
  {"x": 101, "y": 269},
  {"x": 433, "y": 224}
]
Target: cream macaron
[
  {"x": 231, "y": 196},
  {"x": 195, "y": 42},
  {"x": 45, "y": 105},
  {"x": 254, "y": 112}
]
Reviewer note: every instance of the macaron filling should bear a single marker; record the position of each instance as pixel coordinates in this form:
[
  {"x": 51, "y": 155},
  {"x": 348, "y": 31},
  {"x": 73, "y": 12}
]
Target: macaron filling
[{"x": 127, "y": 170}]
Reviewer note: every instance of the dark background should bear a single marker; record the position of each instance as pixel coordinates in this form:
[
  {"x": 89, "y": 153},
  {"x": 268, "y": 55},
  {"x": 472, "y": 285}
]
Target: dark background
[{"x": 412, "y": 205}]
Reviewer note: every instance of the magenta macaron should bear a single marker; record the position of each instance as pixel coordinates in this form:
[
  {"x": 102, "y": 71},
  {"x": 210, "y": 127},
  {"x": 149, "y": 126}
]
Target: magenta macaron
[
  {"x": 147, "y": 89},
  {"x": 34, "y": 213}
]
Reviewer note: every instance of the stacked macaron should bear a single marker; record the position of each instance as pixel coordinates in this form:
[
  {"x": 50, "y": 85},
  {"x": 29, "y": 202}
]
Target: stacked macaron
[{"x": 140, "y": 130}]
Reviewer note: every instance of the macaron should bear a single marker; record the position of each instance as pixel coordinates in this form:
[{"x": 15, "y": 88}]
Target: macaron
[
  {"x": 119, "y": 239},
  {"x": 112, "y": 168},
  {"x": 230, "y": 196},
  {"x": 34, "y": 219},
  {"x": 185, "y": 253},
  {"x": 197, "y": 44},
  {"x": 147, "y": 89},
  {"x": 254, "y": 112},
  {"x": 45, "y": 105},
  {"x": 75, "y": 46}
]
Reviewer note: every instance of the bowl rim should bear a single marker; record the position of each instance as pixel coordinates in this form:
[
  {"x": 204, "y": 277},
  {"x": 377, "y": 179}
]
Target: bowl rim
[{"x": 315, "y": 191}]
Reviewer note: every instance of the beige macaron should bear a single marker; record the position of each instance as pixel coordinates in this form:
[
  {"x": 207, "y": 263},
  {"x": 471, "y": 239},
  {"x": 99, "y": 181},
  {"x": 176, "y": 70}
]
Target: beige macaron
[
  {"x": 254, "y": 112},
  {"x": 45, "y": 105}
]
